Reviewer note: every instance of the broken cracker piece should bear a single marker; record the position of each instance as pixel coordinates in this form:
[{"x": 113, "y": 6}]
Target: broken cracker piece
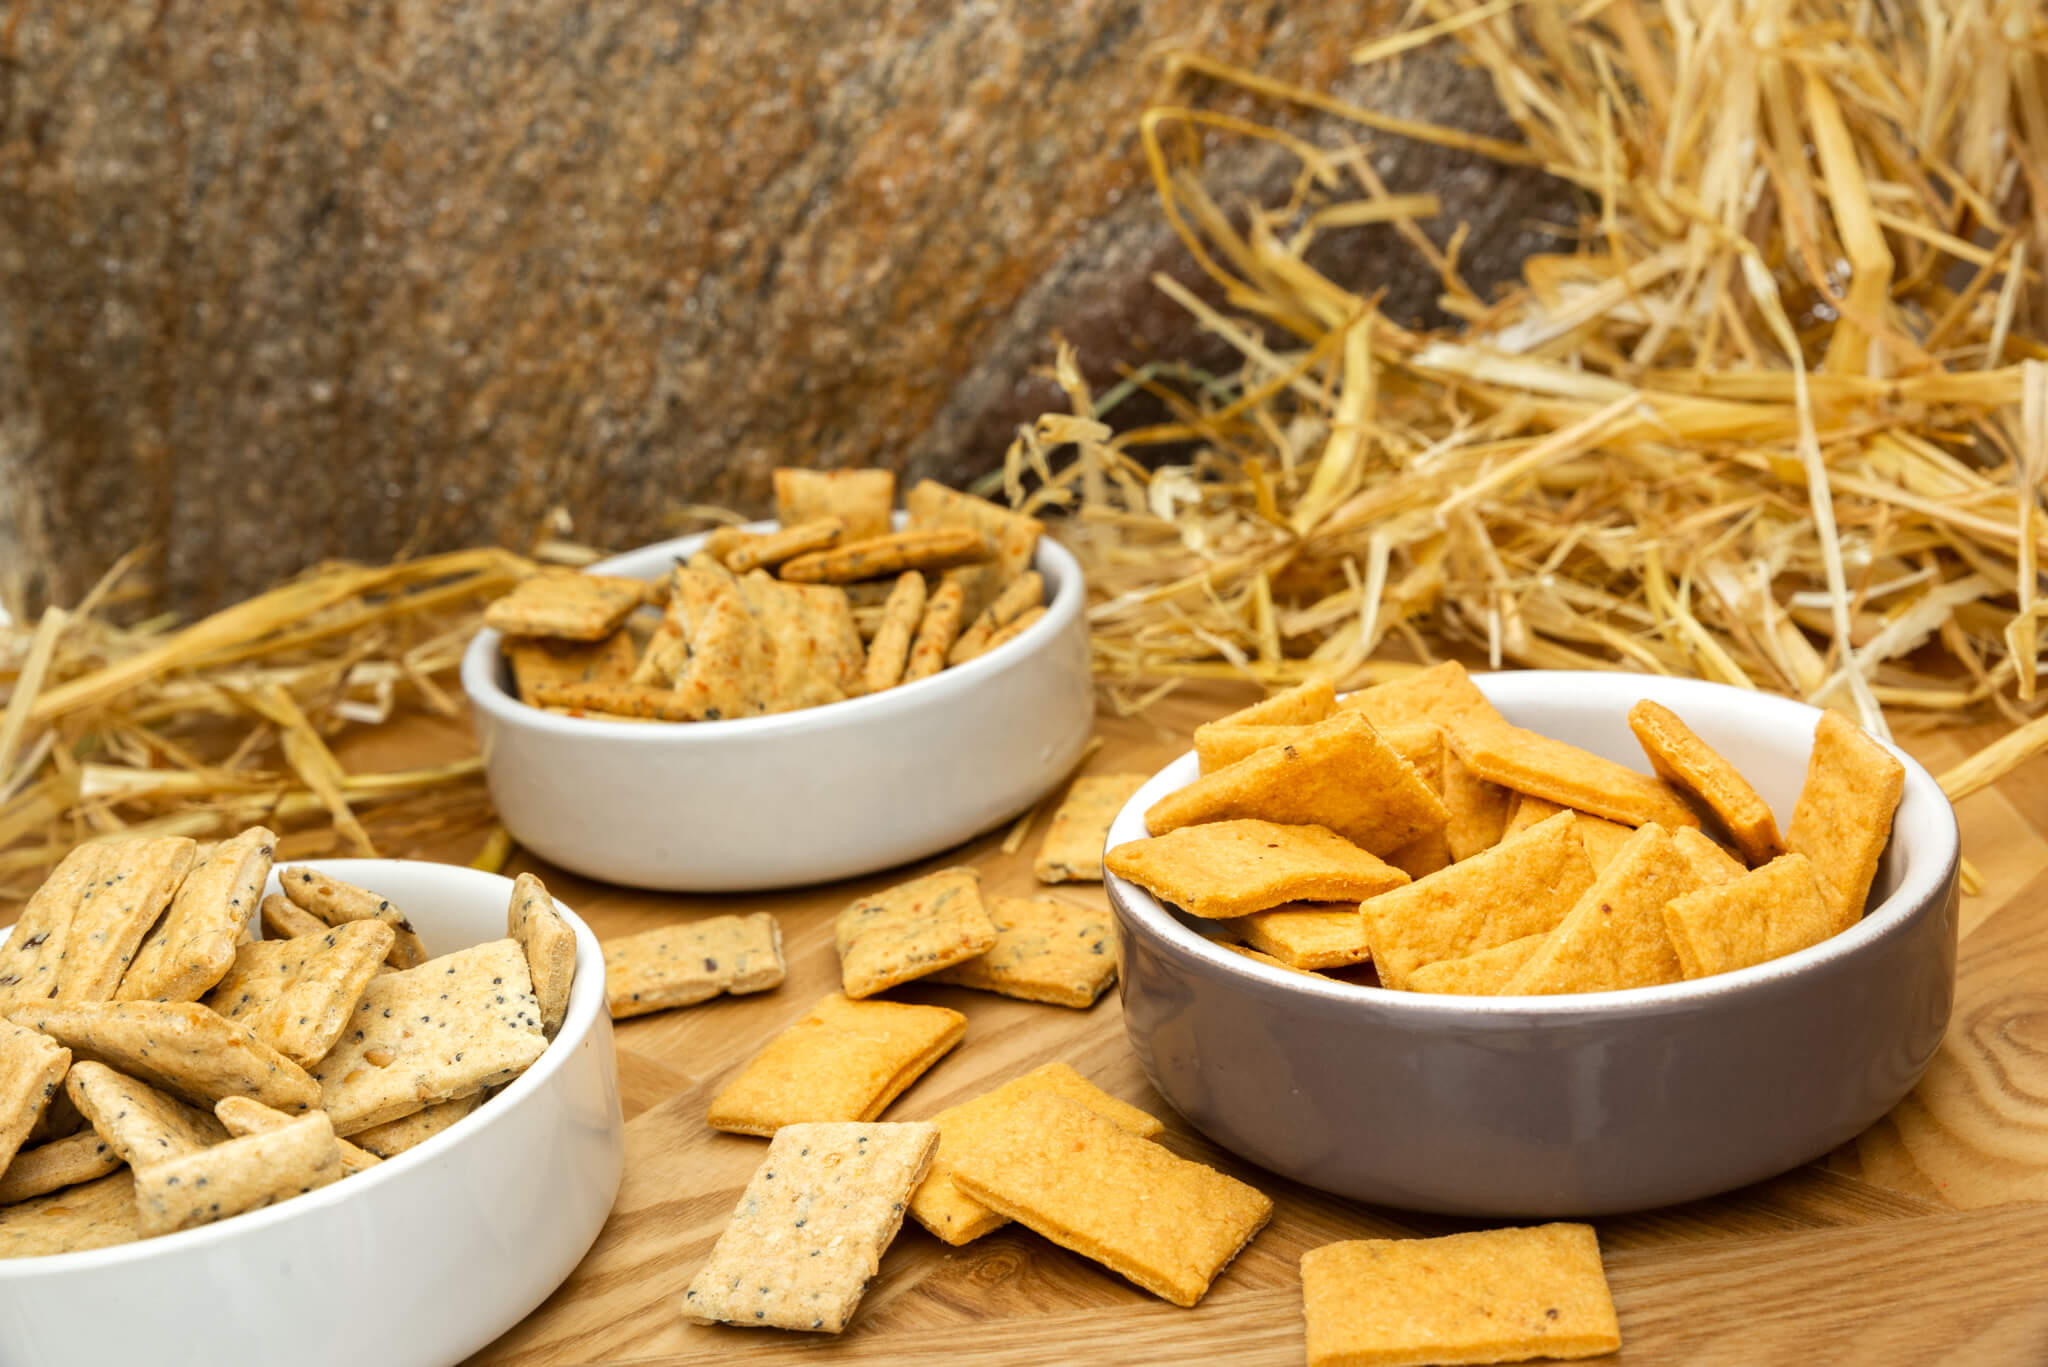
[
  {"x": 1045, "y": 951},
  {"x": 284, "y": 919},
  {"x": 841, "y": 1060},
  {"x": 1844, "y": 814},
  {"x": 1693, "y": 767},
  {"x": 683, "y": 964},
  {"x": 1072, "y": 851},
  {"x": 912, "y": 929},
  {"x": 1232, "y": 868}
]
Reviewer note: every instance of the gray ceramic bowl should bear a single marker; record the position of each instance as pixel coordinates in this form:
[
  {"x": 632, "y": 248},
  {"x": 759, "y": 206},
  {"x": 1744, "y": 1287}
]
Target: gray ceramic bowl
[{"x": 1576, "y": 1105}]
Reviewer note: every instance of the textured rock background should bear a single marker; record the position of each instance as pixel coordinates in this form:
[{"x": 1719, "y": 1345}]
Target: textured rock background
[{"x": 280, "y": 281}]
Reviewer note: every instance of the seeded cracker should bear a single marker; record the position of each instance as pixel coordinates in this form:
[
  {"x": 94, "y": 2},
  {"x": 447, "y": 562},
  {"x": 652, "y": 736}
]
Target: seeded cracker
[
  {"x": 1045, "y": 951},
  {"x": 96, "y": 1215},
  {"x": 284, "y": 919},
  {"x": 450, "y": 1027},
  {"x": 1061, "y": 1170},
  {"x": 141, "y": 1124},
  {"x": 82, "y": 927},
  {"x": 241, "y": 1116},
  {"x": 958, "y": 1218},
  {"x": 538, "y": 661},
  {"x": 1019, "y": 596},
  {"x": 32, "y": 1068},
  {"x": 297, "y": 995},
  {"x": 1844, "y": 814},
  {"x": 1774, "y": 911},
  {"x": 785, "y": 543},
  {"x": 819, "y": 657},
  {"x": 936, "y": 632},
  {"x": 1233, "y": 868},
  {"x": 1012, "y": 537},
  {"x": 1613, "y": 937},
  {"x": 550, "y": 948},
  {"x": 181, "y": 1048},
  {"x": 194, "y": 944},
  {"x": 889, "y": 652},
  {"x": 619, "y": 702},
  {"x": 1531, "y": 763},
  {"x": 862, "y": 499},
  {"x": 887, "y": 556},
  {"x": 912, "y": 929},
  {"x": 338, "y": 903},
  {"x": 1307, "y": 935},
  {"x": 394, "y": 1137},
  {"x": 1478, "y": 975},
  {"x": 239, "y": 1175},
  {"x": 683, "y": 964},
  {"x": 1072, "y": 852},
  {"x": 58, "y": 1164},
  {"x": 811, "y": 1227},
  {"x": 566, "y": 605},
  {"x": 841, "y": 1060},
  {"x": 1014, "y": 630}
]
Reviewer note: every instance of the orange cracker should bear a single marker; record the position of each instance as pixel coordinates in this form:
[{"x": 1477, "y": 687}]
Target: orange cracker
[
  {"x": 1479, "y": 809},
  {"x": 1234, "y": 868},
  {"x": 1045, "y": 951},
  {"x": 936, "y": 632},
  {"x": 1012, "y": 537},
  {"x": 1340, "y": 774},
  {"x": 1306, "y": 935},
  {"x": 1218, "y": 746},
  {"x": 1072, "y": 852},
  {"x": 787, "y": 542},
  {"x": 1082, "y": 1181},
  {"x": 538, "y": 660},
  {"x": 862, "y": 499},
  {"x": 1603, "y": 839},
  {"x": 1765, "y": 914},
  {"x": 841, "y": 1060},
  {"x": 957, "y": 1218},
  {"x": 1693, "y": 767},
  {"x": 1260, "y": 956},
  {"x": 1531, "y": 763},
  {"x": 1302, "y": 705},
  {"x": 1443, "y": 694},
  {"x": 1477, "y": 975},
  {"x": 1497, "y": 1295},
  {"x": 1614, "y": 936},
  {"x": 1522, "y": 886},
  {"x": 904, "y": 932},
  {"x": 889, "y": 555},
  {"x": 1529, "y": 810},
  {"x": 1423, "y": 745},
  {"x": 1844, "y": 814},
  {"x": 566, "y": 605},
  {"x": 1710, "y": 863}
]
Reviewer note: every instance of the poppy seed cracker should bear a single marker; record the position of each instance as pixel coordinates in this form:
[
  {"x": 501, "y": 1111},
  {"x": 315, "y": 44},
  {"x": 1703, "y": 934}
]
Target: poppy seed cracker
[
  {"x": 140, "y": 1123},
  {"x": 296, "y": 995},
  {"x": 337, "y": 902},
  {"x": 862, "y": 499},
  {"x": 58, "y": 1164},
  {"x": 181, "y": 1048},
  {"x": 550, "y": 945},
  {"x": 32, "y": 1068},
  {"x": 681, "y": 965},
  {"x": 81, "y": 928},
  {"x": 394, "y": 1137},
  {"x": 241, "y": 1116},
  {"x": 904, "y": 932},
  {"x": 238, "y": 1175},
  {"x": 96, "y": 1215},
  {"x": 194, "y": 944},
  {"x": 1045, "y": 951}
]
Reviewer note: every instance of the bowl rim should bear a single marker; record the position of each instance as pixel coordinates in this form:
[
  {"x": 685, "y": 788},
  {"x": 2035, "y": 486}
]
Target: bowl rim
[
  {"x": 1929, "y": 869},
  {"x": 482, "y": 681},
  {"x": 586, "y": 1002}
]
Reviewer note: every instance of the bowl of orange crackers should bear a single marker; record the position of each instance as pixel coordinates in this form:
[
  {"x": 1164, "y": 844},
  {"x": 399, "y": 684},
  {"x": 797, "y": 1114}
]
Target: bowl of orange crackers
[
  {"x": 1535, "y": 943},
  {"x": 844, "y": 689}
]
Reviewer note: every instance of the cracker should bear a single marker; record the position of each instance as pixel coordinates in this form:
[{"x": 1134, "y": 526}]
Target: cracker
[
  {"x": 1422, "y": 745},
  {"x": 59, "y": 1119},
  {"x": 567, "y": 605},
  {"x": 936, "y": 632},
  {"x": 1478, "y": 975},
  {"x": 539, "y": 660},
  {"x": 297, "y": 995},
  {"x": 1497, "y": 1295},
  {"x": 1844, "y": 814},
  {"x": 889, "y": 651},
  {"x": 841, "y": 1060},
  {"x": 450, "y": 1027},
  {"x": 1072, "y": 850},
  {"x": 239, "y": 1175},
  {"x": 1260, "y": 956},
  {"x": 1012, "y": 537},
  {"x": 811, "y": 1227},
  {"x": 1014, "y": 630},
  {"x": 1614, "y": 937},
  {"x": 1019, "y": 596},
  {"x": 1603, "y": 839},
  {"x": 284, "y": 919},
  {"x": 1532, "y": 763},
  {"x": 81, "y": 928},
  {"x": 194, "y": 944},
  {"x": 786, "y": 542},
  {"x": 1710, "y": 863},
  {"x": 1234, "y": 868},
  {"x": 32, "y": 1068},
  {"x": 731, "y": 667},
  {"x": 241, "y": 1116},
  {"x": 97, "y": 1215},
  {"x": 394, "y": 1137},
  {"x": 1530, "y": 810},
  {"x": 957, "y": 1218},
  {"x": 683, "y": 964},
  {"x": 1045, "y": 951},
  {"x": 1302, "y": 705},
  {"x": 58, "y": 1164},
  {"x": 337, "y": 903},
  {"x": 1218, "y": 746},
  {"x": 723, "y": 541},
  {"x": 1696, "y": 769},
  {"x": 550, "y": 945},
  {"x": 1763, "y": 915},
  {"x": 181, "y": 1048},
  {"x": 1340, "y": 774},
  {"x": 890, "y": 554},
  {"x": 819, "y": 657},
  {"x": 1520, "y": 887},
  {"x": 141, "y": 1124},
  {"x": 912, "y": 929},
  {"x": 620, "y": 702},
  {"x": 664, "y": 657},
  {"x": 1478, "y": 809},
  {"x": 1443, "y": 694},
  {"x": 1080, "y": 1180},
  {"x": 1306, "y": 935},
  {"x": 862, "y": 499}
]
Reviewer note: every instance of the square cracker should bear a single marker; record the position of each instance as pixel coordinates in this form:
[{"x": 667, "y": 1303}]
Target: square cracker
[
  {"x": 1498, "y": 1295},
  {"x": 730, "y": 664},
  {"x": 97, "y": 1215},
  {"x": 550, "y": 945},
  {"x": 181, "y": 1048},
  {"x": 241, "y": 1116},
  {"x": 1693, "y": 767},
  {"x": 811, "y": 1227},
  {"x": 786, "y": 542},
  {"x": 1072, "y": 852},
  {"x": 1770, "y": 912},
  {"x": 841, "y": 1060},
  {"x": 682, "y": 965},
  {"x": 297, "y": 995},
  {"x": 1084, "y": 1182},
  {"x": 452, "y": 1026},
  {"x": 1302, "y": 705},
  {"x": 541, "y": 660},
  {"x": 238, "y": 1175},
  {"x": 1478, "y": 975},
  {"x": 819, "y": 657},
  {"x": 862, "y": 499},
  {"x": 194, "y": 944},
  {"x": 81, "y": 928},
  {"x": 958, "y": 1218},
  {"x": 1339, "y": 773},
  {"x": 1307, "y": 935},
  {"x": 60, "y": 1163},
  {"x": 1443, "y": 694},
  {"x": 394, "y": 1137},
  {"x": 1529, "y": 762},
  {"x": 32, "y": 1068},
  {"x": 890, "y": 555},
  {"x": 1844, "y": 814},
  {"x": 1233, "y": 868},
  {"x": 1045, "y": 951},
  {"x": 566, "y": 605},
  {"x": 1520, "y": 887},
  {"x": 1012, "y": 537},
  {"x": 141, "y": 1124},
  {"x": 1614, "y": 937},
  {"x": 1218, "y": 746},
  {"x": 912, "y": 929},
  {"x": 337, "y": 903}
]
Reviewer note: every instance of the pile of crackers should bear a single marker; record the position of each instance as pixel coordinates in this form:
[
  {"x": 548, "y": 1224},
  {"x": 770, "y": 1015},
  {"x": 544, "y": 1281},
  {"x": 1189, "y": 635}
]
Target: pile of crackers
[
  {"x": 834, "y": 604},
  {"x": 162, "y": 1066},
  {"x": 1409, "y": 836}
]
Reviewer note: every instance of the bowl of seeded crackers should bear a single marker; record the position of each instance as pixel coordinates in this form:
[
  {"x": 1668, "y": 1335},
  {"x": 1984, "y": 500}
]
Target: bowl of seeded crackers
[
  {"x": 839, "y": 691},
  {"x": 278, "y": 1108},
  {"x": 1535, "y": 943}
]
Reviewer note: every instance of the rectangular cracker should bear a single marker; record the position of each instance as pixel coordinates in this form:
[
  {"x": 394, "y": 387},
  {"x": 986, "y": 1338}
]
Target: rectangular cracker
[
  {"x": 1443, "y": 694},
  {"x": 819, "y": 657},
  {"x": 550, "y": 945},
  {"x": 32, "y": 1068},
  {"x": 58, "y": 1164},
  {"x": 297, "y": 995},
  {"x": 619, "y": 702},
  {"x": 284, "y": 919},
  {"x": 1520, "y": 887},
  {"x": 97, "y": 1215},
  {"x": 1302, "y": 705},
  {"x": 141, "y": 1124},
  {"x": 1015, "y": 629},
  {"x": 1012, "y": 537},
  {"x": 681, "y": 965},
  {"x": 841, "y": 1060},
  {"x": 1843, "y": 818},
  {"x": 1307, "y": 935},
  {"x": 452, "y": 1026},
  {"x": 1018, "y": 597},
  {"x": 889, "y": 650},
  {"x": 936, "y": 632},
  {"x": 542, "y": 660},
  {"x": 1080, "y": 1180},
  {"x": 1234, "y": 868},
  {"x": 786, "y": 542},
  {"x": 81, "y": 928},
  {"x": 862, "y": 499},
  {"x": 1529, "y": 762},
  {"x": 181, "y": 1048},
  {"x": 1497, "y": 1295},
  {"x": 1260, "y": 956},
  {"x": 1072, "y": 849},
  {"x": 394, "y": 1137},
  {"x": 193, "y": 946},
  {"x": 1045, "y": 951},
  {"x": 811, "y": 1227},
  {"x": 1614, "y": 937},
  {"x": 954, "y": 1216},
  {"x": 1765, "y": 914},
  {"x": 238, "y": 1175},
  {"x": 1340, "y": 773},
  {"x": 1479, "y": 809},
  {"x": 911, "y": 929},
  {"x": 240, "y": 1117},
  {"x": 337, "y": 903},
  {"x": 1423, "y": 745},
  {"x": 1217, "y": 746},
  {"x": 1478, "y": 975},
  {"x": 888, "y": 555},
  {"x": 1694, "y": 768},
  {"x": 566, "y": 605}
]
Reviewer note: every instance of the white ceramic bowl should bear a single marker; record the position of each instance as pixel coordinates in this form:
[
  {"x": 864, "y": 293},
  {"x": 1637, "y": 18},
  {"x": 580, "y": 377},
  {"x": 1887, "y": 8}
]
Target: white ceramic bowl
[
  {"x": 801, "y": 797},
  {"x": 421, "y": 1260}
]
